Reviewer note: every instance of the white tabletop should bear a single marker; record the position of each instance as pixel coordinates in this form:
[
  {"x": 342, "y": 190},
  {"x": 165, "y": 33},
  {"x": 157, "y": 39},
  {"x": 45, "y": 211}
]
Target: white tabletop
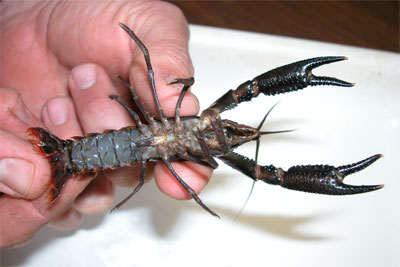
[{"x": 278, "y": 227}]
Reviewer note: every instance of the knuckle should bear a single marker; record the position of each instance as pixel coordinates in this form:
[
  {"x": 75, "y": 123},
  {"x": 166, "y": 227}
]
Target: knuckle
[{"x": 9, "y": 98}]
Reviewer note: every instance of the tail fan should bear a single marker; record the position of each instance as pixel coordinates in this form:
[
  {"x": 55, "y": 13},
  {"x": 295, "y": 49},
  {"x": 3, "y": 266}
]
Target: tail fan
[{"x": 55, "y": 150}]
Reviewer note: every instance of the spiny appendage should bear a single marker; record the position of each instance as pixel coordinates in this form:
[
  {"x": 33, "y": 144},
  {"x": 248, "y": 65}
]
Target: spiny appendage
[
  {"x": 296, "y": 76},
  {"x": 326, "y": 179},
  {"x": 288, "y": 78}
]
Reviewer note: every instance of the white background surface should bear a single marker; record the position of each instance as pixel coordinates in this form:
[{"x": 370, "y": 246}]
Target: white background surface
[{"x": 278, "y": 227}]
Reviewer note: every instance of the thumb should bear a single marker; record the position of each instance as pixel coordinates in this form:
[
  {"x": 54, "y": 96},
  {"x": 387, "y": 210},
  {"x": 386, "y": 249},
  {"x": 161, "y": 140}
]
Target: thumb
[
  {"x": 23, "y": 173},
  {"x": 16, "y": 174}
]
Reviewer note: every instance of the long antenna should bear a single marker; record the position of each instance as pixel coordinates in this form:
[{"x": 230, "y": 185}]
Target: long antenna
[{"x": 256, "y": 157}]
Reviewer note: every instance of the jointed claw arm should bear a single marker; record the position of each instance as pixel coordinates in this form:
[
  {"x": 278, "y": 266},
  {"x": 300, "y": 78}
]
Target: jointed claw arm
[
  {"x": 288, "y": 78},
  {"x": 321, "y": 179}
]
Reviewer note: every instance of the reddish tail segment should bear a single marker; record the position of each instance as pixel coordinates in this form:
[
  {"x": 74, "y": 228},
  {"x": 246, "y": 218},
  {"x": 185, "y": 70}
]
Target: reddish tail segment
[{"x": 56, "y": 151}]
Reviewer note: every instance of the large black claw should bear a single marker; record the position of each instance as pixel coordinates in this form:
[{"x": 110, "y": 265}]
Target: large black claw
[
  {"x": 358, "y": 166},
  {"x": 297, "y": 76},
  {"x": 325, "y": 179},
  {"x": 309, "y": 64}
]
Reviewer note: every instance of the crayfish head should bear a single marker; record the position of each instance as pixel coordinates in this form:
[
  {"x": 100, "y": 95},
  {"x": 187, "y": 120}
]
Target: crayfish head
[{"x": 237, "y": 134}]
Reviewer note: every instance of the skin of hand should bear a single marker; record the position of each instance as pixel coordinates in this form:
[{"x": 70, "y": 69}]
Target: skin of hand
[{"x": 57, "y": 64}]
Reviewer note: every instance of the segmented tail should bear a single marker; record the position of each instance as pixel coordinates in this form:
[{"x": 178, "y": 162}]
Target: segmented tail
[{"x": 56, "y": 151}]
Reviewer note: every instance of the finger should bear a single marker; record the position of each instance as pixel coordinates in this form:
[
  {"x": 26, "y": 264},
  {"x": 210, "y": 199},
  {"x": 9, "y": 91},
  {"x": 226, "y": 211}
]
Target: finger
[
  {"x": 97, "y": 197},
  {"x": 195, "y": 175},
  {"x": 86, "y": 40},
  {"x": 59, "y": 117},
  {"x": 15, "y": 117},
  {"x": 19, "y": 220},
  {"x": 69, "y": 220},
  {"x": 23, "y": 173},
  {"x": 19, "y": 154},
  {"x": 90, "y": 87},
  {"x": 26, "y": 62}
]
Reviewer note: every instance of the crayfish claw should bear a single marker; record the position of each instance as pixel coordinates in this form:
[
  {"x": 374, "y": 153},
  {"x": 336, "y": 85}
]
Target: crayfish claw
[
  {"x": 358, "y": 166},
  {"x": 357, "y": 189},
  {"x": 326, "y": 179},
  {"x": 290, "y": 78},
  {"x": 309, "y": 64},
  {"x": 312, "y": 63},
  {"x": 323, "y": 80}
]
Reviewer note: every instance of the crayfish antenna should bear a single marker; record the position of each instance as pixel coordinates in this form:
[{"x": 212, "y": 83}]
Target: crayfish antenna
[
  {"x": 269, "y": 132},
  {"x": 266, "y": 115},
  {"x": 256, "y": 156}
]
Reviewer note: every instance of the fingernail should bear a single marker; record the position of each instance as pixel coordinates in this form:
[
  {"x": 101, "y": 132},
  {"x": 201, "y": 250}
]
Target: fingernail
[
  {"x": 55, "y": 111},
  {"x": 22, "y": 112},
  {"x": 84, "y": 76},
  {"x": 16, "y": 175}
]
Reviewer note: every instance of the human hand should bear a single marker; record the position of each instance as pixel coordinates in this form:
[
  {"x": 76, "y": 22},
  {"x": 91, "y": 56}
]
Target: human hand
[{"x": 59, "y": 57}]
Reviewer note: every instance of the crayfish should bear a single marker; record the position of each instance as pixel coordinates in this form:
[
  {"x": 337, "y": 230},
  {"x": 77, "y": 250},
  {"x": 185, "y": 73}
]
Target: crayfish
[{"x": 200, "y": 139}]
